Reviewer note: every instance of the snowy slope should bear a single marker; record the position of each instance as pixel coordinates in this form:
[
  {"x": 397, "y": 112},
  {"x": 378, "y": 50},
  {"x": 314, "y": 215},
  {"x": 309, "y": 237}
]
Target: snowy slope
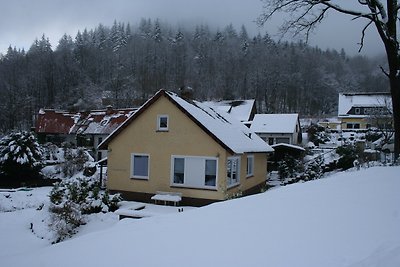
[{"x": 349, "y": 219}]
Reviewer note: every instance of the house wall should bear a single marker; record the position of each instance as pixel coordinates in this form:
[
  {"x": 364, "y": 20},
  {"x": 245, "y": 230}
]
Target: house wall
[
  {"x": 183, "y": 138},
  {"x": 266, "y": 136},
  {"x": 254, "y": 182},
  {"x": 362, "y": 122}
]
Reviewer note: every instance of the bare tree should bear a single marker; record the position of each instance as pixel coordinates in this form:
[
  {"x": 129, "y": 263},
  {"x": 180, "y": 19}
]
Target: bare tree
[{"x": 305, "y": 15}]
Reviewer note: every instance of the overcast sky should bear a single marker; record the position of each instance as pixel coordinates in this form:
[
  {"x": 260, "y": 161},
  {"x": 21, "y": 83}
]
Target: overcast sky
[{"x": 22, "y": 21}]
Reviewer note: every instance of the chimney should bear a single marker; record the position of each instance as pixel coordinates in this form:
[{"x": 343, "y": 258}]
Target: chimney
[
  {"x": 186, "y": 92},
  {"x": 109, "y": 110}
]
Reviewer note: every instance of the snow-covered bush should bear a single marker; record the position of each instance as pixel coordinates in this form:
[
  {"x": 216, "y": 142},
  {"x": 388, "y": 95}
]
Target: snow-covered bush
[
  {"x": 314, "y": 169},
  {"x": 75, "y": 160},
  {"x": 73, "y": 198},
  {"x": 317, "y": 134},
  {"x": 289, "y": 167},
  {"x": 20, "y": 157},
  {"x": 348, "y": 154}
]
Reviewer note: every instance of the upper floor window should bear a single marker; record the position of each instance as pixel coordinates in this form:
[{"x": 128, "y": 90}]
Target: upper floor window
[
  {"x": 357, "y": 110},
  {"x": 162, "y": 123}
]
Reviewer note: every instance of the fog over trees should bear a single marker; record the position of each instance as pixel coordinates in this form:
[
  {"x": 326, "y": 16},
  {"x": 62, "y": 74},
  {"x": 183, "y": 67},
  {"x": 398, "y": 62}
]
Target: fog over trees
[{"x": 125, "y": 65}]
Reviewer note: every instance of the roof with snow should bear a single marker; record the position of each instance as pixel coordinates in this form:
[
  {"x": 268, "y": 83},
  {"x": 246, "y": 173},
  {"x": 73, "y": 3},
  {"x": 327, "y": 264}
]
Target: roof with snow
[
  {"x": 275, "y": 123},
  {"x": 227, "y": 131},
  {"x": 243, "y": 110},
  {"x": 94, "y": 122},
  {"x": 349, "y": 100},
  {"x": 52, "y": 121}
]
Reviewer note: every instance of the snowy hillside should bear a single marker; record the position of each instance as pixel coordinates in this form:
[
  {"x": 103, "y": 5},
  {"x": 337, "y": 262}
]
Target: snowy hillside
[{"x": 349, "y": 219}]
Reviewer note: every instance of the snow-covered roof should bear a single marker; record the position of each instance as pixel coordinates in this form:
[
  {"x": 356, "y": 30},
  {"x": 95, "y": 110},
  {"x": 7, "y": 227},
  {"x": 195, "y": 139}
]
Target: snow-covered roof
[
  {"x": 225, "y": 129},
  {"x": 288, "y": 145},
  {"x": 93, "y": 122},
  {"x": 240, "y": 109},
  {"x": 275, "y": 123},
  {"x": 349, "y": 100}
]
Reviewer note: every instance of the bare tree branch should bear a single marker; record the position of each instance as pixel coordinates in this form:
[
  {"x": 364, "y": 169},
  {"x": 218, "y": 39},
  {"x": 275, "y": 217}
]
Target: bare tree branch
[{"x": 363, "y": 36}]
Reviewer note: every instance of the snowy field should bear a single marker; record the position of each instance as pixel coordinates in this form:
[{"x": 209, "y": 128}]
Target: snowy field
[{"x": 348, "y": 219}]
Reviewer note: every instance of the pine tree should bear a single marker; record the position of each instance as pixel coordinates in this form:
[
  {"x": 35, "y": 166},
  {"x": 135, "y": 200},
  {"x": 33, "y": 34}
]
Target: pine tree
[{"x": 20, "y": 158}]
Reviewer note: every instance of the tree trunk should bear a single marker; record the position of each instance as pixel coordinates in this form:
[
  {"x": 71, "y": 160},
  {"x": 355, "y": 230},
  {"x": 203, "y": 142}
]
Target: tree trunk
[{"x": 395, "y": 91}]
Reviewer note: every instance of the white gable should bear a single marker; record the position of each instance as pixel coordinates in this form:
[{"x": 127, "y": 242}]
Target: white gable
[
  {"x": 226, "y": 128},
  {"x": 274, "y": 123},
  {"x": 347, "y": 101}
]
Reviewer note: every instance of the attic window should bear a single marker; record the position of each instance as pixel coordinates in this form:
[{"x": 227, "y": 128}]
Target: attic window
[
  {"x": 357, "y": 111},
  {"x": 162, "y": 123}
]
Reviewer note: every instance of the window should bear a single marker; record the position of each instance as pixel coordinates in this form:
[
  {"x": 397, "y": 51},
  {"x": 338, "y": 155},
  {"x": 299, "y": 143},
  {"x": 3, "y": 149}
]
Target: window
[
  {"x": 250, "y": 166},
  {"x": 162, "y": 123},
  {"x": 179, "y": 170},
  {"x": 356, "y": 126},
  {"x": 210, "y": 173},
  {"x": 232, "y": 171},
  {"x": 140, "y": 166},
  {"x": 349, "y": 126},
  {"x": 194, "y": 172},
  {"x": 283, "y": 140},
  {"x": 270, "y": 141},
  {"x": 357, "y": 111}
]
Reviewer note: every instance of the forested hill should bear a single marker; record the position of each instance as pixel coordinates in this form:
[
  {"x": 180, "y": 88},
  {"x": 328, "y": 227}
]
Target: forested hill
[{"x": 126, "y": 65}]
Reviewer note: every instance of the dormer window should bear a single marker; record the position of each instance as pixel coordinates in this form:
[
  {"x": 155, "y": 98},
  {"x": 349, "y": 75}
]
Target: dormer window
[
  {"x": 357, "y": 110},
  {"x": 162, "y": 123}
]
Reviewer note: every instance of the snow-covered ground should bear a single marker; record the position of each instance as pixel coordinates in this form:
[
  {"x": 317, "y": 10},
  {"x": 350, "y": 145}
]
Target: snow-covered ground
[{"x": 348, "y": 219}]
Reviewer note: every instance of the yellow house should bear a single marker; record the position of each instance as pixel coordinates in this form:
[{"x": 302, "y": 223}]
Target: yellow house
[{"x": 175, "y": 145}]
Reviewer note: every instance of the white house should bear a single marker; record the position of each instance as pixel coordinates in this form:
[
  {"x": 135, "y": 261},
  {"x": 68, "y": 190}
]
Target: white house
[
  {"x": 358, "y": 111},
  {"x": 277, "y": 128}
]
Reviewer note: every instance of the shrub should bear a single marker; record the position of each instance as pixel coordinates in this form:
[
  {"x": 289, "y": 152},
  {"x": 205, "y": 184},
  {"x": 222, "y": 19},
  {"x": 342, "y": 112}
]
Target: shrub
[
  {"x": 317, "y": 135},
  {"x": 75, "y": 160},
  {"x": 289, "y": 167},
  {"x": 20, "y": 158},
  {"x": 348, "y": 154},
  {"x": 72, "y": 199}
]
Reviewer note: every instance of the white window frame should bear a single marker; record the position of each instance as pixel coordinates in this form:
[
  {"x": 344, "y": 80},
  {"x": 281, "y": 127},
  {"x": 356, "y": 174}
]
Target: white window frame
[
  {"x": 159, "y": 128},
  {"x": 250, "y": 170},
  {"x": 357, "y": 111},
  {"x": 141, "y": 177},
  {"x": 228, "y": 179},
  {"x": 187, "y": 172}
]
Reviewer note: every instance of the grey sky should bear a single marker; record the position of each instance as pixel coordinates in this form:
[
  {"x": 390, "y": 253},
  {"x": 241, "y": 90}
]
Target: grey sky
[{"x": 24, "y": 20}]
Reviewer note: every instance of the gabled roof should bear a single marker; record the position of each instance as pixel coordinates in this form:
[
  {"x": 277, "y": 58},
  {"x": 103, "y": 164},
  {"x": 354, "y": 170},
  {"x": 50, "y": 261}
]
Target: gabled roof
[
  {"x": 94, "y": 122},
  {"x": 349, "y": 100},
  {"x": 240, "y": 109},
  {"x": 223, "y": 128},
  {"x": 102, "y": 121},
  {"x": 274, "y": 123},
  {"x": 51, "y": 121}
]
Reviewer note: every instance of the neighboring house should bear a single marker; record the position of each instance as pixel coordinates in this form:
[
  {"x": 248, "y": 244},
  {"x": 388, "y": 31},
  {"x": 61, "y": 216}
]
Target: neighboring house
[
  {"x": 330, "y": 123},
  {"x": 55, "y": 126},
  {"x": 277, "y": 128},
  {"x": 360, "y": 111},
  {"x": 243, "y": 110},
  {"x": 86, "y": 129},
  {"x": 183, "y": 146}
]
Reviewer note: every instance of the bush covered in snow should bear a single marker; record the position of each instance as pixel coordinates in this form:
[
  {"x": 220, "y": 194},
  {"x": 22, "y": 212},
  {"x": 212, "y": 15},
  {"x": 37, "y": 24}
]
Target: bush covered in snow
[
  {"x": 317, "y": 134},
  {"x": 20, "y": 158},
  {"x": 73, "y": 198},
  {"x": 348, "y": 154},
  {"x": 75, "y": 160}
]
